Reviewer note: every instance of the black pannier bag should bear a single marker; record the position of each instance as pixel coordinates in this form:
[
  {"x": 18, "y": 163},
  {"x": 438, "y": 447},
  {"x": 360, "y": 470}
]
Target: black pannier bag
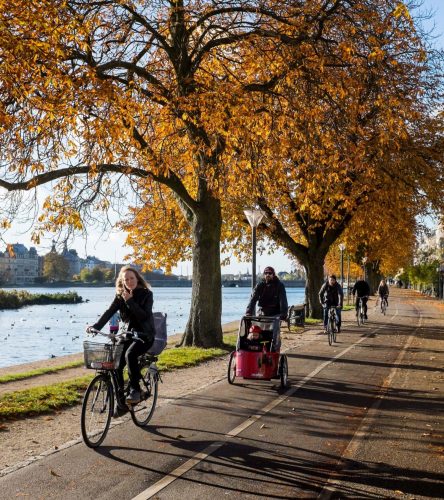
[{"x": 160, "y": 334}]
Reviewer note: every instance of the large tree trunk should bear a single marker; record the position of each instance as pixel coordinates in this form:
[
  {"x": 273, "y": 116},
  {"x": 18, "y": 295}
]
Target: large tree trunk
[
  {"x": 314, "y": 268},
  {"x": 204, "y": 324}
]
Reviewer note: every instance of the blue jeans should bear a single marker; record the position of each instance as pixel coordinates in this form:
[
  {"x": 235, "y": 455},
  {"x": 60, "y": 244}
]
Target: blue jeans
[{"x": 338, "y": 316}]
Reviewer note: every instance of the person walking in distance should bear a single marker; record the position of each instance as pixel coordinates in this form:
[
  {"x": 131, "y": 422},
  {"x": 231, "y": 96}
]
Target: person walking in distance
[
  {"x": 270, "y": 295},
  {"x": 134, "y": 302},
  {"x": 331, "y": 295},
  {"x": 362, "y": 290}
]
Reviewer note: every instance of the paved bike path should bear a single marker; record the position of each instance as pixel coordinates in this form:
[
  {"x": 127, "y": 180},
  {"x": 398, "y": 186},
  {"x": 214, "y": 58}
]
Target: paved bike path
[{"x": 293, "y": 447}]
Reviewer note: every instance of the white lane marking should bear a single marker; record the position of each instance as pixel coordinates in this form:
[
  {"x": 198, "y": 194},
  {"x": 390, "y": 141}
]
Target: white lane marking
[
  {"x": 189, "y": 464},
  {"x": 332, "y": 484}
]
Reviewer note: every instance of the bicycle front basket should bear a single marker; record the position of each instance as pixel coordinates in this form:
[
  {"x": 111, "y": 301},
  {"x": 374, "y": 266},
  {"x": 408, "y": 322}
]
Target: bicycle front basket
[{"x": 101, "y": 356}]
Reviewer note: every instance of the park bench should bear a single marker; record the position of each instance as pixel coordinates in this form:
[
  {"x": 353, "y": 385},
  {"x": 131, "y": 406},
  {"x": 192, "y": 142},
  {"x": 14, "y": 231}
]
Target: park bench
[{"x": 296, "y": 315}]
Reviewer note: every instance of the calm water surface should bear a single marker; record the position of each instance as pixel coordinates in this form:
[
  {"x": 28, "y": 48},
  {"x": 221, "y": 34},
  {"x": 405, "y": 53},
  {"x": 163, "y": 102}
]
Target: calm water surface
[{"x": 40, "y": 332}]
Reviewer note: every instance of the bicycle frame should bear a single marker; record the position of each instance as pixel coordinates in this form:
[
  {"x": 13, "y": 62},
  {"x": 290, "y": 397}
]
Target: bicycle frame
[
  {"x": 331, "y": 324},
  {"x": 360, "y": 312},
  {"x": 384, "y": 303}
]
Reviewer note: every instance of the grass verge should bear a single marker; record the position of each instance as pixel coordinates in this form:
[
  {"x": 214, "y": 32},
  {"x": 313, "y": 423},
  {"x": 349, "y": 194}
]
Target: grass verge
[
  {"x": 42, "y": 399},
  {"x": 41, "y": 371}
]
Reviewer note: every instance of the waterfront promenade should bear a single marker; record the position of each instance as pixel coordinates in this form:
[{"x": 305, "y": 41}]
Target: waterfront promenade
[{"x": 361, "y": 419}]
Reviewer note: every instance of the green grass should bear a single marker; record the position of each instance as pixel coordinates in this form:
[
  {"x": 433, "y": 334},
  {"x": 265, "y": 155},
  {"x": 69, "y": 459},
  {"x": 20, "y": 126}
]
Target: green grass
[
  {"x": 312, "y": 321},
  {"x": 348, "y": 308},
  {"x": 43, "y": 399},
  {"x": 41, "y": 371}
]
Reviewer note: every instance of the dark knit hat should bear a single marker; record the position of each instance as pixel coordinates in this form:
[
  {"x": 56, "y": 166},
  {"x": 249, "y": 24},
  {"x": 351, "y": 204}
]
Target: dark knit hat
[{"x": 269, "y": 269}]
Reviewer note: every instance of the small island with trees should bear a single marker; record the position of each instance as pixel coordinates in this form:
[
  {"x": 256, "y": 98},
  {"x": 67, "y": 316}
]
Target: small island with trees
[{"x": 20, "y": 298}]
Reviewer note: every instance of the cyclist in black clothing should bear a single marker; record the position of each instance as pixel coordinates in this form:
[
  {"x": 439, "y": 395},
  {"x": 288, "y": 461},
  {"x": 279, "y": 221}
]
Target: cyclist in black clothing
[
  {"x": 134, "y": 302},
  {"x": 331, "y": 294},
  {"x": 362, "y": 290},
  {"x": 270, "y": 295}
]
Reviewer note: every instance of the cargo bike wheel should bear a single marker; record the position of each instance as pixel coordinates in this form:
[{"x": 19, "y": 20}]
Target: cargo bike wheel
[
  {"x": 232, "y": 368},
  {"x": 97, "y": 409},
  {"x": 283, "y": 370},
  {"x": 143, "y": 411}
]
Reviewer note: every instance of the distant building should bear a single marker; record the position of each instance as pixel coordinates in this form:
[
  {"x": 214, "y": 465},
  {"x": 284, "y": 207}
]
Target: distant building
[
  {"x": 91, "y": 262},
  {"x": 433, "y": 244},
  {"x": 19, "y": 266},
  {"x": 73, "y": 260}
]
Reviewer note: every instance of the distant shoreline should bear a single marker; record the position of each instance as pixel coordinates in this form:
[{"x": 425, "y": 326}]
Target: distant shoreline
[{"x": 153, "y": 283}]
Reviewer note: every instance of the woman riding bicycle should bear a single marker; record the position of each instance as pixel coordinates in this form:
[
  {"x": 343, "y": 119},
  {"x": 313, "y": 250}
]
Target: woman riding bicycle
[
  {"x": 383, "y": 291},
  {"x": 134, "y": 302}
]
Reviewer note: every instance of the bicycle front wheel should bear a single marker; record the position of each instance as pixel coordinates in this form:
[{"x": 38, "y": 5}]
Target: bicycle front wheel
[
  {"x": 359, "y": 316},
  {"x": 330, "y": 330},
  {"x": 143, "y": 411},
  {"x": 97, "y": 408},
  {"x": 232, "y": 368}
]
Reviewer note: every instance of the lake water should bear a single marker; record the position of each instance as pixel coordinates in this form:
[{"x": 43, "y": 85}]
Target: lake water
[{"x": 39, "y": 332}]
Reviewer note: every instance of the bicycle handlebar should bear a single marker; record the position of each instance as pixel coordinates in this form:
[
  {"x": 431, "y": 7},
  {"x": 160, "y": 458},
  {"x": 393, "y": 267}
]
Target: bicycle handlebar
[{"x": 123, "y": 334}]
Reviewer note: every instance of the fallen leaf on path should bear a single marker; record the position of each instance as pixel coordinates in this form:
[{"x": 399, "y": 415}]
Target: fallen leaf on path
[{"x": 53, "y": 473}]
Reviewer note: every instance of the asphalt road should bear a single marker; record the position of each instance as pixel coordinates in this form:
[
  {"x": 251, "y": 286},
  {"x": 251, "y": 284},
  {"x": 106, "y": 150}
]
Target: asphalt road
[{"x": 361, "y": 419}]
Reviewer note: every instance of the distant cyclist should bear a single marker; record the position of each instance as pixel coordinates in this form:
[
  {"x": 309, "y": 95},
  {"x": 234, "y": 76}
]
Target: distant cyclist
[
  {"x": 362, "y": 290},
  {"x": 383, "y": 292},
  {"x": 331, "y": 294}
]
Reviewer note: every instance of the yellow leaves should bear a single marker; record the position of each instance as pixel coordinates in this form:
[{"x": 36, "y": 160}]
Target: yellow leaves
[
  {"x": 377, "y": 54},
  {"x": 401, "y": 10},
  {"x": 5, "y": 224}
]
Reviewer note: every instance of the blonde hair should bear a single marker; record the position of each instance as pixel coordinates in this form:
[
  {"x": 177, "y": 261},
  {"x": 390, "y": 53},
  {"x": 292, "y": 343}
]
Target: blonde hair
[{"x": 141, "y": 283}]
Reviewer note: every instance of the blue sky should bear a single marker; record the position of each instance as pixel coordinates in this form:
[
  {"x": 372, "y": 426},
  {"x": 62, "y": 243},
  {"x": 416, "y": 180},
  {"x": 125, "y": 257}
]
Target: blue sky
[{"x": 111, "y": 247}]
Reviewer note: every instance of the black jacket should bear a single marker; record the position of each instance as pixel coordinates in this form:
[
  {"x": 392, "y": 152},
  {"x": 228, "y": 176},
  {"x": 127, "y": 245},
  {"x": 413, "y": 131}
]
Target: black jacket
[
  {"x": 383, "y": 289},
  {"x": 331, "y": 295},
  {"x": 362, "y": 288},
  {"x": 136, "y": 313},
  {"x": 271, "y": 298}
]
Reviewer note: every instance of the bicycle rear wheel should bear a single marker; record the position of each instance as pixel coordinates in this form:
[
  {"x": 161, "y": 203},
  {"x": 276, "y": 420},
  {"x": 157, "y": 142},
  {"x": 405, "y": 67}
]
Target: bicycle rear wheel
[
  {"x": 143, "y": 411},
  {"x": 97, "y": 408}
]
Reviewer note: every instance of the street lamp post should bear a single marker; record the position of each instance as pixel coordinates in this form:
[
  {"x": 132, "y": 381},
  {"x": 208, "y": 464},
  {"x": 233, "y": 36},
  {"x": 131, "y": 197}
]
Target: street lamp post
[
  {"x": 254, "y": 217},
  {"x": 342, "y": 248},
  {"x": 364, "y": 261},
  {"x": 348, "y": 279}
]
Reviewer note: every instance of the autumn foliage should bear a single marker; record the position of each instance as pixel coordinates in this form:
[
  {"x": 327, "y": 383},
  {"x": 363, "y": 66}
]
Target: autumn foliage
[{"x": 180, "y": 114}]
